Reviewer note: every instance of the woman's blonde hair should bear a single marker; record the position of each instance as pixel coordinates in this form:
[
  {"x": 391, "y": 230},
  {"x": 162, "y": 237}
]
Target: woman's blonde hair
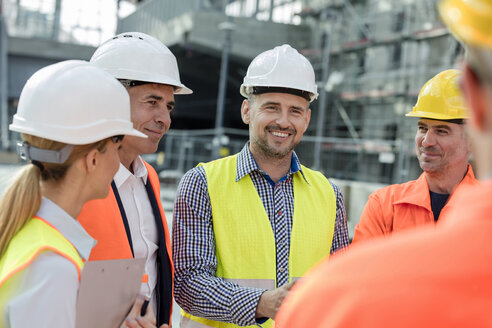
[{"x": 22, "y": 198}]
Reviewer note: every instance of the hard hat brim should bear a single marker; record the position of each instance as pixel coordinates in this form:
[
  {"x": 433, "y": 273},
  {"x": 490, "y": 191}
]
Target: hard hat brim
[
  {"x": 442, "y": 117},
  {"x": 61, "y": 134}
]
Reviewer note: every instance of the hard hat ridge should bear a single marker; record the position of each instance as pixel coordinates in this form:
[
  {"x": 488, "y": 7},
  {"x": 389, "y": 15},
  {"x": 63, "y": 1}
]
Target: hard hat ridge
[
  {"x": 73, "y": 102},
  {"x": 140, "y": 57},
  {"x": 469, "y": 21},
  {"x": 280, "y": 67},
  {"x": 441, "y": 99}
]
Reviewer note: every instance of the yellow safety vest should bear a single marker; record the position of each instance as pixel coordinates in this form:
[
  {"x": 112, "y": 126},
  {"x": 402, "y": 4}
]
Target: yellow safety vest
[
  {"x": 35, "y": 237},
  {"x": 245, "y": 245}
]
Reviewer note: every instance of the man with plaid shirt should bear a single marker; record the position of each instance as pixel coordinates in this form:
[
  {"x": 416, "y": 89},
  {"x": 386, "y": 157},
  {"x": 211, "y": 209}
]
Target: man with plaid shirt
[{"x": 248, "y": 225}]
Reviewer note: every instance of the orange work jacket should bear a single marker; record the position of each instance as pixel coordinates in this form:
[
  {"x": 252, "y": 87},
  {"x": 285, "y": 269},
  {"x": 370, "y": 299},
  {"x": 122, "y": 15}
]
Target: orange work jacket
[
  {"x": 403, "y": 206},
  {"x": 425, "y": 277},
  {"x": 102, "y": 219}
]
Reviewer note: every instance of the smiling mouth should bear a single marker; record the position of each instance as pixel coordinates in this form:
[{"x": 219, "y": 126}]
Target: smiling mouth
[
  {"x": 280, "y": 134},
  {"x": 154, "y": 133},
  {"x": 427, "y": 154}
]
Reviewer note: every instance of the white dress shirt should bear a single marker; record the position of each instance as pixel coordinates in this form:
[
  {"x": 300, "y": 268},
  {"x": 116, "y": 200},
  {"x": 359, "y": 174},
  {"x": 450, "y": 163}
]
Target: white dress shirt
[
  {"x": 141, "y": 221},
  {"x": 48, "y": 294}
]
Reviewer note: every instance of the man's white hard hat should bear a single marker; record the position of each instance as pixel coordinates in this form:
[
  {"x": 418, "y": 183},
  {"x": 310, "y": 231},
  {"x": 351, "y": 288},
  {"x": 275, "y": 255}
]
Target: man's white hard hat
[
  {"x": 280, "y": 68},
  {"x": 139, "y": 57}
]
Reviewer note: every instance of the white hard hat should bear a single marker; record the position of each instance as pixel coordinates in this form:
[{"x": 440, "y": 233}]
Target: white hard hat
[
  {"x": 140, "y": 57},
  {"x": 280, "y": 68},
  {"x": 73, "y": 102}
]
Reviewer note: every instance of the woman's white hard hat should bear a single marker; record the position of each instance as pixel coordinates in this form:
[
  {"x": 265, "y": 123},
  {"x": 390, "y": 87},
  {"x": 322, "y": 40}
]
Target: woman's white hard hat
[{"x": 73, "y": 102}]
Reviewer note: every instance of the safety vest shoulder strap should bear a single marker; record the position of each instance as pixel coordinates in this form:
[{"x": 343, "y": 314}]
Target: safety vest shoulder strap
[{"x": 36, "y": 236}]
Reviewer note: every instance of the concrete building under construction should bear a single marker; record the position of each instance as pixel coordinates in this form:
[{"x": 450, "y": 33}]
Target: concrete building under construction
[{"x": 371, "y": 58}]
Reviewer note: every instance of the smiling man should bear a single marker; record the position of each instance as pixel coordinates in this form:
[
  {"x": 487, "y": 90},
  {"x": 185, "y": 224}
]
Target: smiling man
[
  {"x": 130, "y": 222},
  {"x": 247, "y": 226},
  {"x": 442, "y": 150}
]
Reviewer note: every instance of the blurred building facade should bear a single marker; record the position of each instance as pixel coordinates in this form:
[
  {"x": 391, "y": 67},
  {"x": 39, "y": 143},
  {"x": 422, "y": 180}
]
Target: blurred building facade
[{"x": 371, "y": 58}]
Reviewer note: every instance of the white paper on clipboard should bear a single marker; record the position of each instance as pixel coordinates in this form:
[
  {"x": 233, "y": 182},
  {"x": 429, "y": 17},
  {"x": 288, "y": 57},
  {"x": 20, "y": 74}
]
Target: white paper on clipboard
[{"x": 107, "y": 292}]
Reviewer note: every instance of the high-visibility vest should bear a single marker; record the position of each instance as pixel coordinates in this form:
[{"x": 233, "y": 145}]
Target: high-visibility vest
[
  {"x": 103, "y": 220},
  {"x": 244, "y": 242},
  {"x": 35, "y": 237}
]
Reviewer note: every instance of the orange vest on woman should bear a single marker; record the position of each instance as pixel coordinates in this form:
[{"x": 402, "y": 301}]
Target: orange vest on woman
[{"x": 102, "y": 219}]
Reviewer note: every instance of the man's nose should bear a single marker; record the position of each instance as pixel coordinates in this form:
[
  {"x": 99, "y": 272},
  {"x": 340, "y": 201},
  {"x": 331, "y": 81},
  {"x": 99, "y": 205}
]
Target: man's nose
[
  {"x": 283, "y": 119},
  {"x": 163, "y": 116},
  {"x": 429, "y": 139}
]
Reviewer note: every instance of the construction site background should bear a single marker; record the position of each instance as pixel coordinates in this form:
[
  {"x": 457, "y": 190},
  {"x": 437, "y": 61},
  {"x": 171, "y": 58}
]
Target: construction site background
[{"x": 371, "y": 59}]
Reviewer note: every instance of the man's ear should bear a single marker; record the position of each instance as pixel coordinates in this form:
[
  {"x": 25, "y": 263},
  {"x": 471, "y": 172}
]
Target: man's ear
[
  {"x": 308, "y": 119},
  {"x": 92, "y": 160},
  {"x": 245, "y": 111},
  {"x": 476, "y": 98}
]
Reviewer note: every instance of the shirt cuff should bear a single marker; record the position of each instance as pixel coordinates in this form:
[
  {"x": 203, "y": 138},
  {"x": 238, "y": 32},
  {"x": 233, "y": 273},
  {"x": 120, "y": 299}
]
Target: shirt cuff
[{"x": 244, "y": 303}]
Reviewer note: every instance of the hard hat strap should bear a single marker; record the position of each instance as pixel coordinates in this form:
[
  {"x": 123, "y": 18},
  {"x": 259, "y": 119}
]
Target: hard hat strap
[
  {"x": 301, "y": 93},
  {"x": 133, "y": 83},
  {"x": 31, "y": 153}
]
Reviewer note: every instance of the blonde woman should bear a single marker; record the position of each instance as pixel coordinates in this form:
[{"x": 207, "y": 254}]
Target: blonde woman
[{"x": 72, "y": 117}]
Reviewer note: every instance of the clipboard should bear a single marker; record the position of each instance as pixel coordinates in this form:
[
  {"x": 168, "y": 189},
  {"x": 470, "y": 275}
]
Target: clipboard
[{"x": 107, "y": 292}]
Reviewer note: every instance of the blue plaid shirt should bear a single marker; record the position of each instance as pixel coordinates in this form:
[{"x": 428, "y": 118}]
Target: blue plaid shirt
[{"x": 196, "y": 288}]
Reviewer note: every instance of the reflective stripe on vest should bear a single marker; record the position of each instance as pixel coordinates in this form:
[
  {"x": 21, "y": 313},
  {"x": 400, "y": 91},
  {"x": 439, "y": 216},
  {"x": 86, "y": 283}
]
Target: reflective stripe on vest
[
  {"x": 35, "y": 237},
  {"x": 245, "y": 245}
]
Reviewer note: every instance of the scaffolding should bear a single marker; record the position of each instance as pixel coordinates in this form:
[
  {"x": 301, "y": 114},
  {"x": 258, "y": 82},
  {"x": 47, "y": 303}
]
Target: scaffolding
[
  {"x": 371, "y": 58},
  {"x": 381, "y": 54}
]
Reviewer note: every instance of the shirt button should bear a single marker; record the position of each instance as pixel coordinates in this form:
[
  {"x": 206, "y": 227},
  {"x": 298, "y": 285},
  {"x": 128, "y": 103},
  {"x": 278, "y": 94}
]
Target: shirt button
[
  {"x": 281, "y": 269},
  {"x": 279, "y": 213}
]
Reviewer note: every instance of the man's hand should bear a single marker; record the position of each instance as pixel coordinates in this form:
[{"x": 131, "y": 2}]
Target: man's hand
[
  {"x": 271, "y": 300},
  {"x": 135, "y": 320}
]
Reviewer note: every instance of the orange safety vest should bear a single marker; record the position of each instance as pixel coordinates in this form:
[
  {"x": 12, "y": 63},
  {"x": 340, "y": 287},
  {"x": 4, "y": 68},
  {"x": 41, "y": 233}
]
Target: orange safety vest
[
  {"x": 403, "y": 206},
  {"x": 426, "y": 277},
  {"x": 102, "y": 219}
]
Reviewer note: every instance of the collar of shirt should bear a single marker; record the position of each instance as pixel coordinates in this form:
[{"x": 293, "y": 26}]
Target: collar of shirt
[
  {"x": 69, "y": 227},
  {"x": 139, "y": 169},
  {"x": 247, "y": 164}
]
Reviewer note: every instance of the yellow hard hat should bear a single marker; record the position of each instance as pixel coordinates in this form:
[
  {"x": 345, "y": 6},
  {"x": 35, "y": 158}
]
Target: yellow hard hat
[
  {"x": 441, "y": 98},
  {"x": 470, "y": 21}
]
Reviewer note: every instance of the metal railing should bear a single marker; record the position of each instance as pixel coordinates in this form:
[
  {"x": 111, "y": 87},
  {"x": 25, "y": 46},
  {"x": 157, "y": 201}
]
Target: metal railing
[{"x": 369, "y": 160}]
